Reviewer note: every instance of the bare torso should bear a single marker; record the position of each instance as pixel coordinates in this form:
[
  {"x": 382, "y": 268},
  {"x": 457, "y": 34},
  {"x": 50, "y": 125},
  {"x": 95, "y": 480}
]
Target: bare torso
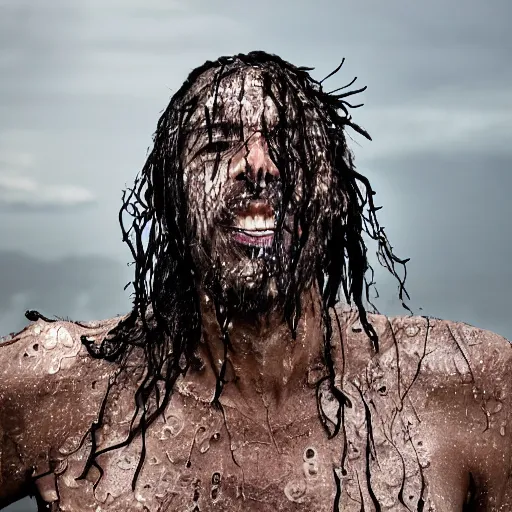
[{"x": 428, "y": 429}]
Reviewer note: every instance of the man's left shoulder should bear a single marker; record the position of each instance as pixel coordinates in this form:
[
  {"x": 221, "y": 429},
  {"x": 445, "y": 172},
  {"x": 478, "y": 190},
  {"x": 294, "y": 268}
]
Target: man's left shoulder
[{"x": 447, "y": 348}]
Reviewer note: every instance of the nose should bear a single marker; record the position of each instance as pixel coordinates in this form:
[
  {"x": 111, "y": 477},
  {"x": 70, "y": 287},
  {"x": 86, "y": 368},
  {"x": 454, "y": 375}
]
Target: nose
[{"x": 256, "y": 164}]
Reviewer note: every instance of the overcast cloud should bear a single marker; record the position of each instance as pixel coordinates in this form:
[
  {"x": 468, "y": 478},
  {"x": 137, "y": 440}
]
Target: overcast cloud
[
  {"x": 25, "y": 193},
  {"x": 83, "y": 84}
]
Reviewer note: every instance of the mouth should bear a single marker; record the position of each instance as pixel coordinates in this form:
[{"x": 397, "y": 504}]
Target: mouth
[{"x": 255, "y": 226}]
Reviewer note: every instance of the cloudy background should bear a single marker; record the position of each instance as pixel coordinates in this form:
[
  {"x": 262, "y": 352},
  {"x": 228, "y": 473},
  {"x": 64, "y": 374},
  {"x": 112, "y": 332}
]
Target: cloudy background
[{"x": 83, "y": 83}]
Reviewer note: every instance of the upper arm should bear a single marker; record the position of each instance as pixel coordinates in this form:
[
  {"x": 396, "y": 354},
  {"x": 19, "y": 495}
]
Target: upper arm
[
  {"x": 50, "y": 390},
  {"x": 490, "y": 358},
  {"x": 470, "y": 407}
]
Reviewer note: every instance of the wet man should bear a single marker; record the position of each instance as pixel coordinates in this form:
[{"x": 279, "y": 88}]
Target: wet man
[{"x": 237, "y": 383}]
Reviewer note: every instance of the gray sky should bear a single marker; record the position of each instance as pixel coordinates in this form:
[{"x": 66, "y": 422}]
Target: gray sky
[{"x": 83, "y": 84}]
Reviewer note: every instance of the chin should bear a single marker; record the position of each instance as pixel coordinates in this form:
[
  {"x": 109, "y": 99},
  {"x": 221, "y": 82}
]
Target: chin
[
  {"x": 241, "y": 279},
  {"x": 257, "y": 300},
  {"x": 247, "y": 285}
]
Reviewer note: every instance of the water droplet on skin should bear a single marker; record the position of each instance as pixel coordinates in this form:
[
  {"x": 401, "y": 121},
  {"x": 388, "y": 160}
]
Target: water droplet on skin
[
  {"x": 65, "y": 338},
  {"x": 309, "y": 454},
  {"x": 49, "y": 341},
  {"x": 502, "y": 430},
  {"x": 205, "y": 446},
  {"x": 54, "y": 366},
  {"x": 498, "y": 408},
  {"x": 412, "y": 330},
  {"x": 310, "y": 468},
  {"x": 295, "y": 490},
  {"x": 139, "y": 497},
  {"x": 37, "y": 330}
]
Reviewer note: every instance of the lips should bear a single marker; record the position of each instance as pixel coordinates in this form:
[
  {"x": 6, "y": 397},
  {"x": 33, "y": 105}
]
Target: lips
[{"x": 254, "y": 238}]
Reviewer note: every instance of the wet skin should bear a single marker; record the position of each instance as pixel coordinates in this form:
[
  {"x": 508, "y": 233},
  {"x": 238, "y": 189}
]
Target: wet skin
[
  {"x": 233, "y": 201},
  {"x": 426, "y": 425},
  {"x": 437, "y": 399}
]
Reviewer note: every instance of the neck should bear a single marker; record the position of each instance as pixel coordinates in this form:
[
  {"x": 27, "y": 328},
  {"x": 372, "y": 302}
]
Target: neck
[{"x": 264, "y": 364}]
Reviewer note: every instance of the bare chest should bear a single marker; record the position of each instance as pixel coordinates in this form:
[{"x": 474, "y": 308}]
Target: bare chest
[
  {"x": 386, "y": 454},
  {"x": 199, "y": 459}
]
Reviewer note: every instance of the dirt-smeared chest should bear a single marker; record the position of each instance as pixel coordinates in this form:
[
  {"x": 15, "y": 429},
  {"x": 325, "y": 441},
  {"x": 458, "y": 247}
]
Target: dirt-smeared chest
[{"x": 200, "y": 458}]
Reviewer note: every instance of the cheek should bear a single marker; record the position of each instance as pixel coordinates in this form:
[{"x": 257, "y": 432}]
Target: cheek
[
  {"x": 203, "y": 207},
  {"x": 203, "y": 188},
  {"x": 212, "y": 188}
]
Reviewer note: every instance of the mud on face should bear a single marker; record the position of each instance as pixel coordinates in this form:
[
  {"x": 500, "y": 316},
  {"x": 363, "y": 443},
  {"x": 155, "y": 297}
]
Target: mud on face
[{"x": 256, "y": 174}]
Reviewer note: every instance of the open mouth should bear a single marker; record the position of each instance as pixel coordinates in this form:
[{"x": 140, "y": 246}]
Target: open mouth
[{"x": 254, "y": 227}]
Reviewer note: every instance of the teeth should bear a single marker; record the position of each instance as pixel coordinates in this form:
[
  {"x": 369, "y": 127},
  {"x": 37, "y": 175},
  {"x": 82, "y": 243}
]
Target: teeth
[{"x": 256, "y": 223}]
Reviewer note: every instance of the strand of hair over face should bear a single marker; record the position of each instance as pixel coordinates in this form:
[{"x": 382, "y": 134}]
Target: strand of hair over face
[{"x": 164, "y": 326}]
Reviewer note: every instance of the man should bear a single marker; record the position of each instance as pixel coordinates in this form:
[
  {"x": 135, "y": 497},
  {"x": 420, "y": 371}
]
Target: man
[{"x": 237, "y": 383}]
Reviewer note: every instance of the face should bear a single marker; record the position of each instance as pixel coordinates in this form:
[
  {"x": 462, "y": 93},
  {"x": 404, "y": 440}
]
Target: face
[{"x": 241, "y": 224}]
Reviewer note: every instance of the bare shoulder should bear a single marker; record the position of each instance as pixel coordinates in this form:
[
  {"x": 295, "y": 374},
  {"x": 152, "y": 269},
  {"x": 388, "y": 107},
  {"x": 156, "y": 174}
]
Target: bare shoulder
[
  {"x": 450, "y": 386},
  {"x": 449, "y": 370},
  {"x": 443, "y": 348},
  {"x": 50, "y": 388},
  {"x": 43, "y": 349},
  {"x": 449, "y": 348}
]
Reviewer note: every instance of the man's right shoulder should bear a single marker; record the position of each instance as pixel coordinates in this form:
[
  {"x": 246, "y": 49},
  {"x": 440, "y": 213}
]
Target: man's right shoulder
[
  {"x": 46, "y": 348},
  {"x": 51, "y": 390}
]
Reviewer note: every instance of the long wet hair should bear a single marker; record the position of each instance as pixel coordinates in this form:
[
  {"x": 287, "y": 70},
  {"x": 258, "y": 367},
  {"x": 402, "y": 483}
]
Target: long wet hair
[{"x": 165, "y": 322}]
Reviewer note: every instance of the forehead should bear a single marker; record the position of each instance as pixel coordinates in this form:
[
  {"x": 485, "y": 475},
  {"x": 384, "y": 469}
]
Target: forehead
[{"x": 240, "y": 95}]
